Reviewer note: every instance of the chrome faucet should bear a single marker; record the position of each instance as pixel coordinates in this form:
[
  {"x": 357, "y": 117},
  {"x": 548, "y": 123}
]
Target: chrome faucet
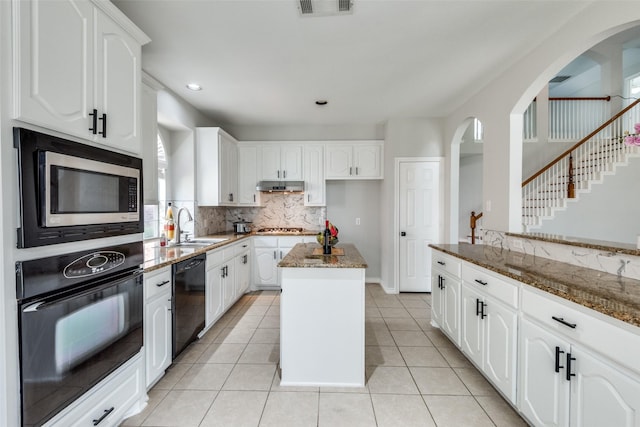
[{"x": 189, "y": 218}]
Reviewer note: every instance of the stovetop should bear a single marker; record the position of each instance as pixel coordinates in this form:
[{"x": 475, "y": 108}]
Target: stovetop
[{"x": 291, "y": 230}]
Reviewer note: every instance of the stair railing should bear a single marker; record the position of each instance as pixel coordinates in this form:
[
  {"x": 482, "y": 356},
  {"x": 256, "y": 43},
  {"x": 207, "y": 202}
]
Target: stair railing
[{"x": 571, "y": 171}]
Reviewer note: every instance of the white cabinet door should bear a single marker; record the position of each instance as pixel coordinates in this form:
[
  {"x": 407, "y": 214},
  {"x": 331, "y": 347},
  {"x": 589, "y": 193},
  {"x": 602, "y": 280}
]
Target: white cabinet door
[
  {"x": 55, "y": 71},
  {"x": 338, "y": 161},
  {"x": 437, "y": 298},
  {"x": 500, "y": 343},
  {"x": 270, "y": 162},
  {"x": 602, "y": 395},
  {"x": 248, "y": 174},
  {"x": 228, "y": 283},
  {"x": 228, "y": 171},
  {"x": 266, "y": 267},
  {"x": 314, "y": 192},
  {"x": 472, "y": 324},
  {"x": 291, "y": 162},
  {"x": 74, "y": 60},
  {"x": 543, "y": 391},
  {"x": 157, "y": 336},
  {"x": 117, "y": 86},
  {"x": 214, "y": 295},
  {"x": 243, "y": 273},
  {"x": 451, "y": 317},
  {"x": 367, "y": 160}
]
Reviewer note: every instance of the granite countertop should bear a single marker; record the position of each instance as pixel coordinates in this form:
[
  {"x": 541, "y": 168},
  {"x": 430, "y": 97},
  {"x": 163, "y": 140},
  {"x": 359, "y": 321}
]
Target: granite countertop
[
  {"x": 156, "y": 257},
  {"x": 613, "y": 295},
  {"x": 301, "y": 256},
  {"x": 603, "y": 245}
]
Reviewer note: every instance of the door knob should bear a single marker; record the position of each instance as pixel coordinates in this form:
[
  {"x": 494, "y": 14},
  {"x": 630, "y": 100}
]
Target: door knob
[{"x": 403, "y": 233}]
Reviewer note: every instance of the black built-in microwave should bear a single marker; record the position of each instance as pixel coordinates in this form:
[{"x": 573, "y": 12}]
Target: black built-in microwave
[{"x": 71, "y": 191}]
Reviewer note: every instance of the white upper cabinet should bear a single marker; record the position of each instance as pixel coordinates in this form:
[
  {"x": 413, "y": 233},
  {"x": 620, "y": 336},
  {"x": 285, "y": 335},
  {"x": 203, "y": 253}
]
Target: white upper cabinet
[
  {"x": 216, "y": 168},
  {"x": 361, "y": 160},
  {"x": 248, "y": 175},
  {"x": 78, "y": 70},
  {"x": 281, "y": 162},
  {"x": 314, "y": 191}
]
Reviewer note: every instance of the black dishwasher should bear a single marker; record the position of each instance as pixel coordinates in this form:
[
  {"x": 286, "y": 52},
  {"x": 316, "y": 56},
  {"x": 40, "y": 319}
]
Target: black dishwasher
[{"x": 188, "y": 302}]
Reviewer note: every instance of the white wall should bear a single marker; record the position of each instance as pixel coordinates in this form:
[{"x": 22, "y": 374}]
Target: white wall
[
  {"x": 348, "y": 200},
  {"x": 470, "y": 193},
  {"x": 411, "y": 137},
  {"x": 609, "y": 212},
  {"x": 499, "y": 106}
]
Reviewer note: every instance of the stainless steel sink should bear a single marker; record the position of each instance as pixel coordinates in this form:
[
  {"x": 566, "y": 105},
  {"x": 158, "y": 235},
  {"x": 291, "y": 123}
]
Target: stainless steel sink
[{"x": 202, "y": 242}]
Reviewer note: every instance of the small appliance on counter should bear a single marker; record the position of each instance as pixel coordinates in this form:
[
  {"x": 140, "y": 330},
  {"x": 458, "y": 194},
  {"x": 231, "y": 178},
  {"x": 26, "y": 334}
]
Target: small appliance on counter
[{"x": 242, "y": 227}]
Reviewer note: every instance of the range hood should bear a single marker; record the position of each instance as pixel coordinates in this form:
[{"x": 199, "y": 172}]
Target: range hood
[{"x": 281, "y": 186}]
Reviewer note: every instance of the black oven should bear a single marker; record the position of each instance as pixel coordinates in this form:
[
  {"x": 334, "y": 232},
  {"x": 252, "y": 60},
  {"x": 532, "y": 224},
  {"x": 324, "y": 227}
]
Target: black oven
[
  {"x": 79, "y": 319},
  {"x": 71, "y": 192}
]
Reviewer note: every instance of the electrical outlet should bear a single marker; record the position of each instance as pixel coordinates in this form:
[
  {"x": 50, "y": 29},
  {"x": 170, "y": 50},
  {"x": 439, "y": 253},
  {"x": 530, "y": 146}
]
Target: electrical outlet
[{"x": 357, "y": 221}]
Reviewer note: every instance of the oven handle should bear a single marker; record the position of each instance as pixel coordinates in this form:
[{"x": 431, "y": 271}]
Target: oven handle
[{"x": 44, "y": 303}]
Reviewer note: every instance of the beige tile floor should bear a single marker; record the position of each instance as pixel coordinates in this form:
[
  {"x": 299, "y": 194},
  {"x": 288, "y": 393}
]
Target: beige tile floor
[{"x": 415, "y": 376}]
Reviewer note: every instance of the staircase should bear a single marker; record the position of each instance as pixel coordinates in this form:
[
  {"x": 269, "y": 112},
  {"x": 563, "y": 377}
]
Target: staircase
[{"x": 574, "y": 172}]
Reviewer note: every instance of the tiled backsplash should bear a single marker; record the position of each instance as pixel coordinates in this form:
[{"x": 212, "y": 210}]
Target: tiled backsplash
[
  {"x": 605, "y": 261},
  {"x": 277, "y": 210}
]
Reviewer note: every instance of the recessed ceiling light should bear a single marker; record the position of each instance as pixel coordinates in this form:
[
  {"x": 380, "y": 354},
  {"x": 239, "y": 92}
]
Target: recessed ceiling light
[
  {"x": 194, "y": 86},
  {"x": 321, "y": 102}
]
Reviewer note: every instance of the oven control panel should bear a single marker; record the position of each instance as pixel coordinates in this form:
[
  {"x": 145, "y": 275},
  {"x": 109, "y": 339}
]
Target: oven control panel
[{"x": 93, "y": 263}]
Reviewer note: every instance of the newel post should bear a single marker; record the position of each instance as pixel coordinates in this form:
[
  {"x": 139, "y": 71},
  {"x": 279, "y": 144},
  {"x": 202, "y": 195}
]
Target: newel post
[{"x": 571, "y": 186}]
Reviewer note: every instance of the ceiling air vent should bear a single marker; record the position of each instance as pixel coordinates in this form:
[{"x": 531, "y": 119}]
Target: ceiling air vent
[
  {"x": 559, "y": 79},
  {"x": 325, "y": 7}
]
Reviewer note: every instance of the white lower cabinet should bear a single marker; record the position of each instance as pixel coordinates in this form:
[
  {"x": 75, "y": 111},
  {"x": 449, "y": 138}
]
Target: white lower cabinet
[
  {"x": 560, "y": 363},
  {"x": 214, "y": 303},
  {"x": 445, "y": 303},
  {"x": 269, "y": 251},
  {"x": 243, "y": 272},
  {"x": 118, "y": 396},
  {"x": 157, "y": 324},
  {"x": 562, "y": 382},
  {"x": 489, "y": 328}
]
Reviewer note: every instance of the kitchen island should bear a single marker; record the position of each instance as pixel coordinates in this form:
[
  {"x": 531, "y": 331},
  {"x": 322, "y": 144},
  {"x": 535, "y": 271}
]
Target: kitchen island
[{"x": 322, "y": 322}]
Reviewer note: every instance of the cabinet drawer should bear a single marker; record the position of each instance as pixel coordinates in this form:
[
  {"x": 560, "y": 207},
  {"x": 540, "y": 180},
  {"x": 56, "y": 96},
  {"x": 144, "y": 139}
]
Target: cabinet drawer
[
  {"x": 214, "y": 257},
  {"x": 490, "y": 283},
  {"x": 242, "y": 247},
  {"x": 617, "y": 340},
  {"x": 157, "y": 282},
  {"x": 119, "y": 391},
  {"x": 446, "y": 263},
  {"x": 289, "y": 242},
  {"x": 265, "y": 242}
]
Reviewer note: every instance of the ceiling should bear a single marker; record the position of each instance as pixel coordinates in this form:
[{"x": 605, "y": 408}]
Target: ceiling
[{"x": 261, "y": 63}]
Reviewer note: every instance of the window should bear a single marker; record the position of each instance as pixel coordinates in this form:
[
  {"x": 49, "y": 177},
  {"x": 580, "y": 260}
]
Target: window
[
  {"x": 477, "y": 130},
  {"x": 153, "y": 219}
]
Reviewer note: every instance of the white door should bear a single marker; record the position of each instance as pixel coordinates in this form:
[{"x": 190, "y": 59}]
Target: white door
[
  {"x": 451, "y": 312},
  {"x": 472, "y": 324},
  {"x": 266, "y": 267},
  {"x": 291, "y": 162},
  {"x": 213, "y": 291},
  {"x": 499, "y": 361},
  {"x": 419, "y": 220}
]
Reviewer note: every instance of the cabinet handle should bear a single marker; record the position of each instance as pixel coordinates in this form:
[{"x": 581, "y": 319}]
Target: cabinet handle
[
  {"x": 481, "y": 282},
  {"x": 477, "y": 307},
  {"x": 280, "y": 254},
  {"x": 569, "y": 373},
  {"x": 356, "y": 170},
  {"x": 104, "y": 415},
  {"x": 163, "y": 283},
  {"x": 350, "y": 170},
  {"x": 278, "y": 173},
  {"x": 558, "y": 353},
  {"x": 440, "y": 282},
  {"x": 308, "y": 197},
  {"x": 441, "y": 263},
  {"x": 482, "y": 313},
  {"x": 245, "y": 259},
  {"x": 564, "y": 322},
  {"x": 223, "y": 272},
  {"x": 274, "y": 255},
  {"x": 104, "y": 125},
  {"x": 254, "y": 198},
  {"x": 94, "y": 122},
  {"x": 284, "y": 174}
]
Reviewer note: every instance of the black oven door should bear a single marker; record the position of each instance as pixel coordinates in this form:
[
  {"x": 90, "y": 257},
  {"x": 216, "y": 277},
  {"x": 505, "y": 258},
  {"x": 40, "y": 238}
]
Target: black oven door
[{"x": 71, "y": 341}]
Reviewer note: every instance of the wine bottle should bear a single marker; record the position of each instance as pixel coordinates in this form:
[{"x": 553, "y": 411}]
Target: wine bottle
[{"x": 327, "y": 237}]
